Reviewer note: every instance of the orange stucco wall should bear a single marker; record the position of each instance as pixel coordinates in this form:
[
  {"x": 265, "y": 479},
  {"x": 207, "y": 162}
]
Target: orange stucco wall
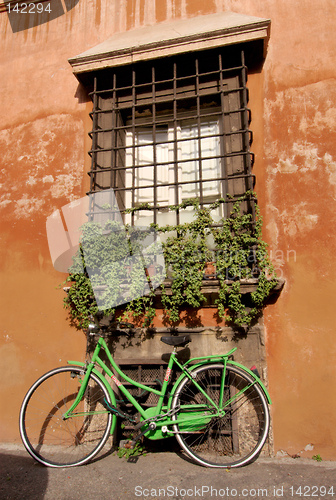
[{"x": 43, "y": 143}]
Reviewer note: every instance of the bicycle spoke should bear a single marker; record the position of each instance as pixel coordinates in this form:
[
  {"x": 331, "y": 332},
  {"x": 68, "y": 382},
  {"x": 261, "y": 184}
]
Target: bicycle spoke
[
  {"x": 232, "y": 436},
  {"x": 58, "y": 441}
]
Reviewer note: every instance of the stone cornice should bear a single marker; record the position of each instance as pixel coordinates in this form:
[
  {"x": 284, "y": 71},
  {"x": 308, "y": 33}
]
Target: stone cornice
[{"x": 165, "y": 39}]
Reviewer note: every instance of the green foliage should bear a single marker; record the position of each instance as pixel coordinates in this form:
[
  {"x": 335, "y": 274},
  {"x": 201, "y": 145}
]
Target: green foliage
[
  {"x": 239, "y": 254},
  {"x": 185, "y": 254},
  {"x": 242, "y": 255},
  {"x": 80, "y": 298},
  {"x": 137, "y": 450},
  {"x": 317, "y": 458},
  {"x": 103, "y": 248}
]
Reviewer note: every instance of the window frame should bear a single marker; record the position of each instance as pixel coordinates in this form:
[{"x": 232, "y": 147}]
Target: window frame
[{"x": 117, "y": 110}]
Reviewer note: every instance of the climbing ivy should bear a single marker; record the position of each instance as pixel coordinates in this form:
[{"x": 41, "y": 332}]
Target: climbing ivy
[
  {"x": 96, "y": 274},
  {"x": 238, "y": 251}
]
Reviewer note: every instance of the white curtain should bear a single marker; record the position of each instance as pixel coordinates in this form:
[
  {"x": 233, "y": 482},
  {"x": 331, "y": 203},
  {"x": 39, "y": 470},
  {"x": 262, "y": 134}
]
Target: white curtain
[{"x": 192, "y": 144}]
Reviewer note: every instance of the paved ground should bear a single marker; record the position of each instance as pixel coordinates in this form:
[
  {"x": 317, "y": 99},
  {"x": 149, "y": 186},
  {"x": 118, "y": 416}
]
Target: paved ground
[{"x": 162, "y": 475}]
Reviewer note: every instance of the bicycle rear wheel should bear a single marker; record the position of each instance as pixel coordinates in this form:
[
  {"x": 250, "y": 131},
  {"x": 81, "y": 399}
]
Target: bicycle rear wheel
[
  {"x": 53, "y": 440},
  {"x": 231, "y": 439}
]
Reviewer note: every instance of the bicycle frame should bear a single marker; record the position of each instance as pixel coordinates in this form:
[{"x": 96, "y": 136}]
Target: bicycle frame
[{"x": 155, "y": 413}]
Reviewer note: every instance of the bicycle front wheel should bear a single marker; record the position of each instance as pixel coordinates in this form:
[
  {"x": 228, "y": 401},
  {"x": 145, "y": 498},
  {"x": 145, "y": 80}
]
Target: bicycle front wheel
[
  {"x": 56, "y": 441},
  {"x": 230, "y": 437}
]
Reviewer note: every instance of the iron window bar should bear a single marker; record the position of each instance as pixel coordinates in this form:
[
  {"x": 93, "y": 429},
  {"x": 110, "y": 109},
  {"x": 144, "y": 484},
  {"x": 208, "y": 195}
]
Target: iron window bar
[
  {"x": 169, "y": 80},
  {"x": 168, "y": 163},
  {"x": 160, "y": 143},
  {"x": 161, "y": 99}
]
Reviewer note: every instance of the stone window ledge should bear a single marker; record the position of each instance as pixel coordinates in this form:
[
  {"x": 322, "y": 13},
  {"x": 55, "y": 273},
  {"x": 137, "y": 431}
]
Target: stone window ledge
[{"x": 212, "y": 286}]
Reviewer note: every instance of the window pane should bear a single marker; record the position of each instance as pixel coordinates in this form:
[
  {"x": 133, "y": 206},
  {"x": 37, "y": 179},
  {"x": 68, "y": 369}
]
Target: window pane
[{"x": 199, "y": 151}]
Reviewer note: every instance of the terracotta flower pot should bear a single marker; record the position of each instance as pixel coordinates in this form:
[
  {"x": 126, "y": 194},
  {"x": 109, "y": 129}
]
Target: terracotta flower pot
[{"x": 209, "y": 271}]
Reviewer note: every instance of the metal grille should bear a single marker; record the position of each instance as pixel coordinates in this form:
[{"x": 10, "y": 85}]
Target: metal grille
[
  {"x": 149, "y": 374},
  {"x": 172, "y": 129}
]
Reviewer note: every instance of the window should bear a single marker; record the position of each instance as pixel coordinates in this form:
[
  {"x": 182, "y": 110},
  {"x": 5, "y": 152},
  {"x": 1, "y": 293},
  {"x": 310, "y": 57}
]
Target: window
[
  {"x": 186, "y": 140},
  {"x": 171, "y": 129}
]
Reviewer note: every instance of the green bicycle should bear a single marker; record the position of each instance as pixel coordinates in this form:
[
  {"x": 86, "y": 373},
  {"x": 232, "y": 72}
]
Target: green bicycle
[{"x": 217, "y": 409}]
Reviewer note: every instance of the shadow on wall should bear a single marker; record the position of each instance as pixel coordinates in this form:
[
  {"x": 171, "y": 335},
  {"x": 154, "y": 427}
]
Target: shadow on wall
[
  {"x": 23, "y": 16},
  {"x": 21, "y": 477}
]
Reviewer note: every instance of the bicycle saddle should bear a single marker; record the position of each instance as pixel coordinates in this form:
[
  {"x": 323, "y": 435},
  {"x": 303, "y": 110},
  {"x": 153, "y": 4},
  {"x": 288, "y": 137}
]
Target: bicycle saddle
[{"x": 176, "y": 340}]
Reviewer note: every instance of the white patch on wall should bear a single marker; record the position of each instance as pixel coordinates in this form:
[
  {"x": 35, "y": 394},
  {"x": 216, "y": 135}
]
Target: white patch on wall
[
  {"x": 64, "y": 184},
  {"x": 4, "y": 201},
  {"x": 27, "y": 206},
  {"x": 330, "y": 165},
  {"x": 303, "y": 157},
  {"x": 47, "y": 178},
  {"x": 32, "y": 180},
  {"x": 46, "y": 163},
  {"x": 298, "y": 220},
  {"x": 309, "y": 447}
]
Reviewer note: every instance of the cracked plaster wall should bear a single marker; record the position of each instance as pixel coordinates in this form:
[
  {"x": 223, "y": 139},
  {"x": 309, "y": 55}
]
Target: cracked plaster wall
[
  {"x": 300, "y": 156},
  {"x": 298, "y": 198}
]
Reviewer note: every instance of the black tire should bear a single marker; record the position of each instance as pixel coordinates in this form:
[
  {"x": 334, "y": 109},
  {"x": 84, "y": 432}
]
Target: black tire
[
  {"x": 232, "y": 439},
  {"x": 58, "y": 442}
]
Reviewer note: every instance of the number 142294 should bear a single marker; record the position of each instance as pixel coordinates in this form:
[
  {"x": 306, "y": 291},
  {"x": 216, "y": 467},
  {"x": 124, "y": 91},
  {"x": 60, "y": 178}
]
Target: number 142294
[
  {"x": 312, "y": 491},
  {"x": 29, "y": 8}
]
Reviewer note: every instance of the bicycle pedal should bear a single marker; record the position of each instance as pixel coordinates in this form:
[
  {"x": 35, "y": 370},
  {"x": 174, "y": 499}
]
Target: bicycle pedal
[{"x": 133, "y": 460}]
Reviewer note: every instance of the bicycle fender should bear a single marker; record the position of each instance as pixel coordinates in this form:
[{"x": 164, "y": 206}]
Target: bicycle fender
[
  {"x": 253, "y": 375},
  {"x": 101, "y": 378}
]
